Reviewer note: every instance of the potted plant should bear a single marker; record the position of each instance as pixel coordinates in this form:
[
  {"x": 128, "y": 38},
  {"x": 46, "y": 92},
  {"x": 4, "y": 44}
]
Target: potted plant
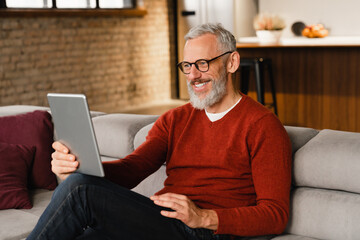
[{"x": 268, "y": 27}]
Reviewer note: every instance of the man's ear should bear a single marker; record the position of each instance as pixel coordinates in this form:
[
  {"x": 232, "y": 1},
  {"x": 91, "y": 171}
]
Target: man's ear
[{"x": 233, "y": 62}]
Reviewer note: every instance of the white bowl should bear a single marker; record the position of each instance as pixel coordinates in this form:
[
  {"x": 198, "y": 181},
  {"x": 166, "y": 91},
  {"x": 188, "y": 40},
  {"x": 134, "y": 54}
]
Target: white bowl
[{"x": 269, "y": 36}]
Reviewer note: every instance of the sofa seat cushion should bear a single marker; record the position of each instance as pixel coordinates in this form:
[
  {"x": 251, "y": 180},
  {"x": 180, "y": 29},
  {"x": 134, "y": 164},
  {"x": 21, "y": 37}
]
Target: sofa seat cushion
[
  {"x": 17, "y": 224},
  {"x": 330, "y": 160},
  {"x": 324, "y": 214}
]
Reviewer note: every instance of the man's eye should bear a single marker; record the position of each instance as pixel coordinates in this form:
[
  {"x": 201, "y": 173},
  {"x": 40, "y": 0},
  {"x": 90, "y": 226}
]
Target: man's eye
[
  {"x": 186, "y": 65},
  {"x": 201, "y": 63}
]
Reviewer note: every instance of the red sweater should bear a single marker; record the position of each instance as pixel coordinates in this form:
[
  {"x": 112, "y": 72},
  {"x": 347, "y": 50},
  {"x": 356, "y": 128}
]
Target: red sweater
[{"x": 240, "y": 165}]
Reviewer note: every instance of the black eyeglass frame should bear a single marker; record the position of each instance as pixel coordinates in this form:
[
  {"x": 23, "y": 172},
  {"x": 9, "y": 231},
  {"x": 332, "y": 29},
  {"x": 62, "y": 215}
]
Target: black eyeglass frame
[{"x": 180, "y": 64}]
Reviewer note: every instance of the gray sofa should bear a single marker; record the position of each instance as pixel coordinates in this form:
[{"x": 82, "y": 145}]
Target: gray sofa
[{"x": 325, "y": 199}]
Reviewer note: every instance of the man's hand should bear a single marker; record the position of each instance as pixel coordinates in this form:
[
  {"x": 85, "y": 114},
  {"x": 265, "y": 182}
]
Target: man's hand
[
  {"x": 63, "y": 163},
  {"x": 186, "y": 211}
]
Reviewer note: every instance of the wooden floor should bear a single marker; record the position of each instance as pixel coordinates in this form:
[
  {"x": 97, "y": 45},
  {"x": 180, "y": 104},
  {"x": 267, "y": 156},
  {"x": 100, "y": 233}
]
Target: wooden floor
[{"x": 155, "y": 109}]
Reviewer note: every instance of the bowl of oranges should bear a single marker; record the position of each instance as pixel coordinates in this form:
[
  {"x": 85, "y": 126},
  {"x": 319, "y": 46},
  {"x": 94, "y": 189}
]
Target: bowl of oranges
[{"x": 315, "y": 31}]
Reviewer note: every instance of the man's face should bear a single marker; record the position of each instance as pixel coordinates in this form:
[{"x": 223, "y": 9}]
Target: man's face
[
  {"x": 205, "y": 88},
  {"x": 217, "y": 92}
]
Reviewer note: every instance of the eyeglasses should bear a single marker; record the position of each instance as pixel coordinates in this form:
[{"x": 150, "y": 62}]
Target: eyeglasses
[{"x": 202, "y": 64}]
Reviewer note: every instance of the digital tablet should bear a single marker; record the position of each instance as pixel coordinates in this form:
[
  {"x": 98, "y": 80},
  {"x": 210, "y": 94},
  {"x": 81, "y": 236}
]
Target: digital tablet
[{"x": 74, "y": 129}]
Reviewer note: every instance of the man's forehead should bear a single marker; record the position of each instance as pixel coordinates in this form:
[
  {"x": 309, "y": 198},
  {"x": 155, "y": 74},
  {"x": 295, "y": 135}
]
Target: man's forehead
[{"x": 202, "y": 47}]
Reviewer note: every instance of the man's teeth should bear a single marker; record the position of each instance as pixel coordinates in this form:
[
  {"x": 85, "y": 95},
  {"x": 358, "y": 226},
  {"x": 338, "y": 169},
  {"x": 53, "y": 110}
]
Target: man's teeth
[{"x": 200, "y": 84}]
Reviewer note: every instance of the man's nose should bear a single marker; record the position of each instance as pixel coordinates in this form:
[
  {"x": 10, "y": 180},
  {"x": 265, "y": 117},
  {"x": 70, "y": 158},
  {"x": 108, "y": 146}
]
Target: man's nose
[{"x": 194, "y": 73}]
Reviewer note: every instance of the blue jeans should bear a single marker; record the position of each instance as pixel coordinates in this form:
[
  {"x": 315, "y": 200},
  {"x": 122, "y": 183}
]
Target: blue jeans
[{"x": 86, "y": 207}]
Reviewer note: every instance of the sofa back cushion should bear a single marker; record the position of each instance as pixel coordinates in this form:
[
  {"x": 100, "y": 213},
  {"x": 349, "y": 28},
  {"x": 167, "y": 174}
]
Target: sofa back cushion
[
  {"x": 19, "y": 109},
  {"x": 115, "y": 133},
  {"x": 331, "y": 160},
  {"x": 326, "y": 202}
]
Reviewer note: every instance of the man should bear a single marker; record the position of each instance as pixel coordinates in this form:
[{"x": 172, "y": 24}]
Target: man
[{"x": 228, "y": 165}]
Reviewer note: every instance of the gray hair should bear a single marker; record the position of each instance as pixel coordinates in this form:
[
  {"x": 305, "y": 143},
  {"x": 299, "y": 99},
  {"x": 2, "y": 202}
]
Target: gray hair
[{"x": 226, "y": 40}]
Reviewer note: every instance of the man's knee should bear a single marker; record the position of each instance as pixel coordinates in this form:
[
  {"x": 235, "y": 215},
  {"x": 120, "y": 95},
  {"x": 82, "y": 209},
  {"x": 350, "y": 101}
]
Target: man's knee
[{"x": 73, "y": 181}]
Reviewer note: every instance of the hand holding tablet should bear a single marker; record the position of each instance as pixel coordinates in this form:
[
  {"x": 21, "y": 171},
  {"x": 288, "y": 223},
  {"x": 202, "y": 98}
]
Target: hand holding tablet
[{"x": 74, "y": 130}]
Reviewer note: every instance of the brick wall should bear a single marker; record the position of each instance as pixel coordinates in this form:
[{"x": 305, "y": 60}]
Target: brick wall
[{"x": 117, "y": 62}]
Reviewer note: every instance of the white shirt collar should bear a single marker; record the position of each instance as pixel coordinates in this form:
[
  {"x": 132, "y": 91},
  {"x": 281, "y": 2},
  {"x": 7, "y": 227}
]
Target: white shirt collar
[{"x": 217, "y": 116}]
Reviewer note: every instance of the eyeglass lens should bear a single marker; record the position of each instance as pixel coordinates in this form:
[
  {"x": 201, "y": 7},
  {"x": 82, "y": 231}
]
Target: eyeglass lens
[{"x": 202, "y": 65}]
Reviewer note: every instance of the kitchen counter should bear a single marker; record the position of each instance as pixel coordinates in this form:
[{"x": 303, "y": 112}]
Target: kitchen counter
[
  {"x": 329, "y": 41},
  {"x": 317, "y": 80}
]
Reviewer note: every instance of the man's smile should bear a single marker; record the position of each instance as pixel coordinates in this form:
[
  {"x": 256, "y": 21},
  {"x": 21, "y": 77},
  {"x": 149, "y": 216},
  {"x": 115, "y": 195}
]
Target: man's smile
[{"x": 198, "y": 85}]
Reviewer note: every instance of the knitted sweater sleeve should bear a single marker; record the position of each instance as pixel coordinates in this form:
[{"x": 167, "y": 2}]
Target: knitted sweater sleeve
[{"x": 270, "y": 156}]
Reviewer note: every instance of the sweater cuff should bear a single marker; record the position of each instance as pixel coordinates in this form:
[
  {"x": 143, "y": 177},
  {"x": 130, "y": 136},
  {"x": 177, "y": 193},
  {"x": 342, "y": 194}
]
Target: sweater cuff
[{"x": 226, "y": 222}]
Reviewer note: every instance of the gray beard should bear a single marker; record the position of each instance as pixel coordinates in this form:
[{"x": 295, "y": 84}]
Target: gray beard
[{"x": 218, "y": 91}]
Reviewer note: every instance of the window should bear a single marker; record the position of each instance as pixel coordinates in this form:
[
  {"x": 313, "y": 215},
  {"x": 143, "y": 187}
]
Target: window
[
  {"x": 75, "y": 4},
  {"x": 68, "y": 4},
  {"x": 71, "y": 8},
  {"x": 116, "y": 4},
  {"x": 28, "y": 4}
]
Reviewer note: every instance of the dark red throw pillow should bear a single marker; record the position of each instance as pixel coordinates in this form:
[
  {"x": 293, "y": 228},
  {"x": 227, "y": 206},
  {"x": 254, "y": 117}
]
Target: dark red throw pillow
[
  {"x": 33, "y": 129},
  {"x": 15, "y": 162}
]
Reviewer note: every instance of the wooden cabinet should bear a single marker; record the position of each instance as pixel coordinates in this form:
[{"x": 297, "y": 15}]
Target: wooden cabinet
[{"x": 317, "y": 86}]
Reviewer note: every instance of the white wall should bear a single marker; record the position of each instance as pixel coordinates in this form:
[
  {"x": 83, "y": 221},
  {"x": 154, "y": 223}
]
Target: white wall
[
  {"x": 244, "y": 13},
  {"x": 341, "y": 17},
  {"x": 220, "y": 11}
]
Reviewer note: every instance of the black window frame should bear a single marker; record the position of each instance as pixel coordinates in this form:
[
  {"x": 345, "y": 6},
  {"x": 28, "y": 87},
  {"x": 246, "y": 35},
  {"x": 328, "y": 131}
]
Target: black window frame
[
  {"x": 136, "y": 10},
  {"x": 54, "y": 5}
]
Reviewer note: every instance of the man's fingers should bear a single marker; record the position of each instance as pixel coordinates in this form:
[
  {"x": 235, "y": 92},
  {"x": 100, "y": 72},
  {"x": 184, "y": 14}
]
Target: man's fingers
[
  {"x": 62, "y": 156},
  {"x": 60, "y": 167},
  {"x": 60, "y": 147},
  {"x": 63, "y": 170},
  {"x": 169, "y": 204},
  {"x": 185, "y": 210},
  {"x": 171, "y": 197},
  {"x": 170, "y": 214},
  {"x": 64, "y": 163}
]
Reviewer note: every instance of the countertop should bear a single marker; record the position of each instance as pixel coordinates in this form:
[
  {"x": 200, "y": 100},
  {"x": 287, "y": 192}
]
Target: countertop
[{"x": 329, "y": 41}]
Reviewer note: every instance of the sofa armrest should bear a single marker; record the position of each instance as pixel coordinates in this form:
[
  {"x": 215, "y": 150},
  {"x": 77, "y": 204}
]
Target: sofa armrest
[
  {"x": 299, "y": 136},
  {"x": 140, "y": 136}
]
